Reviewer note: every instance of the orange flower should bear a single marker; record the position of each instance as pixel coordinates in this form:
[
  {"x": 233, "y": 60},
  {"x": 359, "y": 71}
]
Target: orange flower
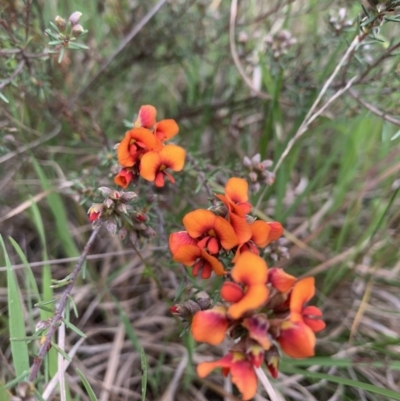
[
  {"x": 241, "y": 369},
  {"x": 250, "y": 274},
  {"x": 297, "y": 337},
  {"x": 192, "y": 255},
  {"x": 280, "y": 280},
  {"x": 154, "y": 164},
  {"x": 146, "y": 117},
  {"x": 257, "y": 327},
  {"x": 236, "y": 196},
  {"x": 124, "y": 178},
  {"x": 210, "y": 326},
  {"x": 176, "y": 240},
  {"x": 262, "y": 233},
  {"x": 166, "y": 129},
  {"x": 212, "y": 231},
  {"x": 136, "y": 143}
]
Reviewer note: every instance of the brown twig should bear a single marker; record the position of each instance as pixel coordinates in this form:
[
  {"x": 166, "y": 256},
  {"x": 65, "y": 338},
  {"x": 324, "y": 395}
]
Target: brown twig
[
  {"x": 16, "y": 72},
  {"x": 373, "y": 109},
  {"x": 267, "y": 13},
  {"x": 377, "y": 62},
  {"x": 62, "y": 304},
  {"x": 28, "y": 15}
]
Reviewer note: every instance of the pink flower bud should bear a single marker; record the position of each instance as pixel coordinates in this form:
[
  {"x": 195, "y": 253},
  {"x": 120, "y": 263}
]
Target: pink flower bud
[{"x": 74, "y": 17}]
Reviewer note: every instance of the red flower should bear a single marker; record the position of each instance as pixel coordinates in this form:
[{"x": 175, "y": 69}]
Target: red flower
[
  {"x": 146, "y": 117},
  {"x": 249, "y": 291},
  {"x": 154, "y": 164},
  {"x": 136, "y": 143},
  {"x": 241, "y": 369},
  {"x": 192, "y": 255},
  {"x": 297, "y": 337},
  {"x": 210, "y": 326},
  {"x": 213, "y": 232},
  {"x": 124, "y": 178}
]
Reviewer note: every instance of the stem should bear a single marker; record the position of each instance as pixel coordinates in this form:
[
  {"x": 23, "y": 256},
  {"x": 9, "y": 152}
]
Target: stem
[
  {"x": 267, "y": 385},
  {"x": 311, "y": 115},
  {"x": 59, "y": 313}
]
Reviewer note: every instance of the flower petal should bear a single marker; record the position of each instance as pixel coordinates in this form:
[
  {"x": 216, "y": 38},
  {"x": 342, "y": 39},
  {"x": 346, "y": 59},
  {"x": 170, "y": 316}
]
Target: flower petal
[
  {"x": 255, "y": 296},
  {"x": 276, "y": 230},
  {"x": 241, "y": 227},
  {"x": 178, "y": 239},
  {"x": 149, "y": 165},
  {"x": 297, "y": 339},
  {"x": 260, "y": 233},
  {"x": 123, "y": 178},
  {"x": 166, "y": 129},
  {"x": 187, "y": 254},
  {"x": 312, "y": 318},
  {"x": 244, "y": 377},
  {"x": 231, "y": 292},
  {"x": 237, "y": 189},
  {"x": 199, "y": 222},
  {"x": 210, "y": 326},
  {"x": 217, "y": 266},
  {"x": 257, "y": 326},
  {"x": 142, "y": 136},
  {"x": 173, "y": 157},
  {"x": 146, "y": 116},
  {"x": 280, "y": 280},
  {"x": 250, "y": 269},
  {"x": 302, "y": 292},
  {"x": 225, "y": 233}
]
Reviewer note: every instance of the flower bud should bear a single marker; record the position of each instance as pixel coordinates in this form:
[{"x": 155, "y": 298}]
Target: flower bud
[
  {"x": 105, "y": 191},
  {"x": 128, "y": 196},
  {"x": 95, "y": 211},
  {"x": 74, "y": 18},
  {"x": 77, "y": 30},
  {"x": 253, "y": 176},
  {"x": 246, "y": 162},
  {"x": 61, "y": 23},
  {"x": 108, "y": 203}
]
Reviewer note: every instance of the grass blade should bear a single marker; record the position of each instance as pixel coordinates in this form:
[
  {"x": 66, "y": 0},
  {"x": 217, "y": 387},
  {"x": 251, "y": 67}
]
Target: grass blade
[
  {"x": 19, "y": 350},
  {"x": 87, "y": 385}
]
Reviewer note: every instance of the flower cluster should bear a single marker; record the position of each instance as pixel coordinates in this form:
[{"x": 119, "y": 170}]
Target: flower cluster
[
  {"x": 258, "y": 172},
  {"x": 143, "y": 152},
  {"x": 261, "y": 309}
]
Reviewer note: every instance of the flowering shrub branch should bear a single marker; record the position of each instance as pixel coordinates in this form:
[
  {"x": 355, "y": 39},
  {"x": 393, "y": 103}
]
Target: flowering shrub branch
[{"x": 261, "y": 310}]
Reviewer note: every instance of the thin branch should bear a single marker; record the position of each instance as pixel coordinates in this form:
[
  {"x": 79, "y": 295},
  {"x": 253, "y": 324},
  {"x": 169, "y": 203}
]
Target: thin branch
[
  {"x": 267, "y": 13},
  {"x": 311, "y": 115},
  {"x": 17, "y": 71},
  {"x": 56, "y": 130},
  {"x": 136, "y": 29},
  {"x": 373, "y": 109},
  {"x": 384, "y": 55},
  {"x": 61, "y": 307},
  {"x": 28, "y": 16}
]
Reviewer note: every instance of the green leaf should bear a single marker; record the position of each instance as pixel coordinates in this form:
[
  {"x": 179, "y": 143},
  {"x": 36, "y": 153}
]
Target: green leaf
[
  {"x": 4, "y": 394},
  {"x": 78, "y": 46},
  {"x": 61, "y": 351},
  {"x": 56, "y": 42},
  {"x": 144, "y": 366},
  {"x": 74, "y": 328},
  {"x": 3, "y": 98},
  {"x": 87, "y": 386},
  {"x": 395, "y": 136},
  {"x": 347, "y": 382},
  {"x": 19, "y": 351}
]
